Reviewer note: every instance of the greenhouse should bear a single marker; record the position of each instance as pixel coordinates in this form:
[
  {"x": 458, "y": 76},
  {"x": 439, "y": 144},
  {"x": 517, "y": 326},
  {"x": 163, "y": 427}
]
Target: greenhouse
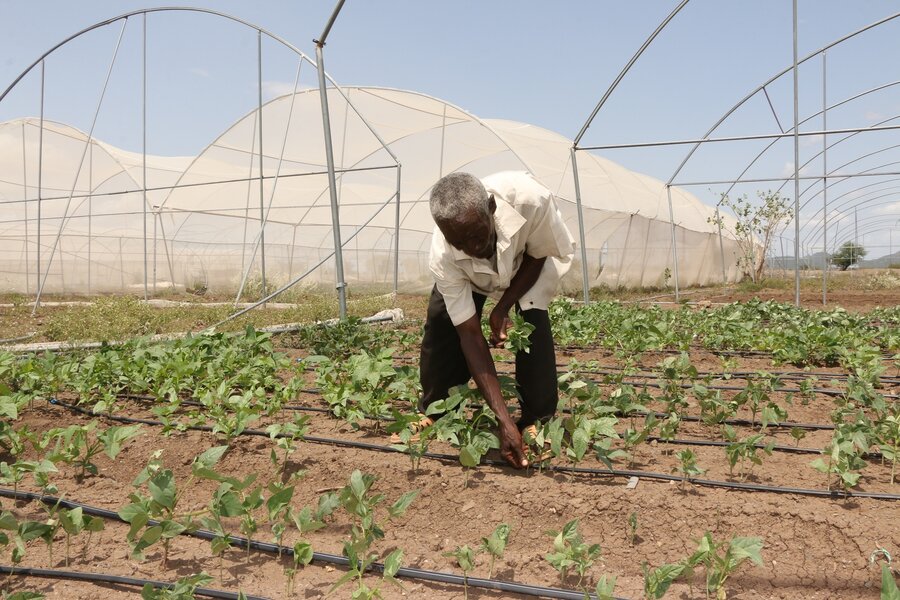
[{"x": 197, "y": 221}]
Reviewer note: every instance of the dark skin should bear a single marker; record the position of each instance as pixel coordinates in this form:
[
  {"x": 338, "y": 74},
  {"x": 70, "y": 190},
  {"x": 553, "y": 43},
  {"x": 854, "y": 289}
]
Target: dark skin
[{"x": 477, "y": 237}]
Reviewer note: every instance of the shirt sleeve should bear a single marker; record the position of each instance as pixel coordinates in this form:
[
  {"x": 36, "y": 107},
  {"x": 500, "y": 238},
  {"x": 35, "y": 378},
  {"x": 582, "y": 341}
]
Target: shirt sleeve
[
  {"x": 451, "y": 282},
  {"x": 549, "y": 236}
]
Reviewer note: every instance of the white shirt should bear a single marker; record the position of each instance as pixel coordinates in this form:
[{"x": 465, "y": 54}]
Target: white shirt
[{"x": 527, "y": 220}]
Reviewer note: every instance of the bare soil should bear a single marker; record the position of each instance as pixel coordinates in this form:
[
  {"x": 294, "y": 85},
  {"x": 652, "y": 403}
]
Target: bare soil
[{"x": 815, "y": 548}]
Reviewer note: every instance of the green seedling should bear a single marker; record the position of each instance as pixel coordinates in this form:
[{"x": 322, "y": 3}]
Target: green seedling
[
  {"x": 889, "y": 440},
  {"x": 414, "y": 444},
  {"x": 465, "y": 558},
  {"x": 570, "y": 551},
  {"x": 632, "y": 527},
  {"x": 74, "y": 522},
  {"x": 15, "y": 472},
  {"x": 77, "y": 445},
  {"x": 687, "y": 466},
  {"x": 606, "y": 585},
  {"x": 183, "y": 589},
  {"x": 285, "y": 436},
  {"x": 161, "y": 504},
  {"x": 658, "y": 581},
  {"x": 744, "y": 451},
  {"x": 798, "y": 434},
  {"x": 518, "y": 336},
  {"x": 358, "y": 501},
  {"x": 472, "y": 435},
  {"x": 495, "y": 545},
  {"x": 889, "y": 589},
  {"x": 302, "y": 555},
  {"x": 24, "y": 595},
  {"x": 722, "y": 559}
]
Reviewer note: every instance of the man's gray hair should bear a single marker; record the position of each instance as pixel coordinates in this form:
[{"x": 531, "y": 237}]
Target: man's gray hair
[{"x": 457, "y": 196}]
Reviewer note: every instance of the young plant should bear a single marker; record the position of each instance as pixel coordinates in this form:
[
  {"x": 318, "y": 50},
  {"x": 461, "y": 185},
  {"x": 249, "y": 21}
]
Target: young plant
[
  {"x": 632, "y": 527},
  {"x": 162, "y": 502},
  {"x": 722, "y": 559},
  {"x": 302, "y": 554},
  {"x": 687, "y": 466},
  {"x": 471, "y": 435},
  {"x": 570, "y": 551},
  {"x": 465, "y": 558},
  {"x": 743, "y": 451},
  {"x": 285, "y": 436},
  {"x": 658, "y": 581},
  {"x": 518, "y": 336},
  {"x": 74, "y": 522},
  {"x": 414, "y": 443},
  {"x": 889, "y": 439},
  {"x": 77, "y": 444},
  {"x": 361, "y": 505},
  {"x": 495, "y": 545},
  {"x": 183, "y": 589}
]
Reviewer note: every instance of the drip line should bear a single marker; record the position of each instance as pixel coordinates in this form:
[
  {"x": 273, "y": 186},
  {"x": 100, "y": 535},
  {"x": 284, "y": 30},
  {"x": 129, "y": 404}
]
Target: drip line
[
  {"x": 116, "y": 580},
  {"x": 561, "y": 469},
  {"x": 242, "y": 542}
]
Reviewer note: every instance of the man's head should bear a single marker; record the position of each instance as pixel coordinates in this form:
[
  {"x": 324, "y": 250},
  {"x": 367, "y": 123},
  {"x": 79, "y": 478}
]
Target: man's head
[{"x": 464, "y": 212}]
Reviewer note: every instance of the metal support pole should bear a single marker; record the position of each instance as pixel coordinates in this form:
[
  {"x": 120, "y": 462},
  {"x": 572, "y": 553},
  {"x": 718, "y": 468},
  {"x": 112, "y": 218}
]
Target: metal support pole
[
  {"x": 721, "y": 249},
  {"x": 80, "y": 165},
  {"x": 329, "y": 156},
  {"x": 90, "y": 203},
  {"x": 824, "y": 183},
  {"x": 262, "y": 216},
  {"x": 397, "y": 240},
  {"x": 674, "y": 242},
  {"x": 796, "y": 166},
  {"x": 165, "y": 242},
  {"x": 27, "y": 224},
  {"x": 40, "y": 191},
  {"x": 155, "y": 219},
  {"x": 144, "y": 149},
  {"x": 584, "y": 271}
]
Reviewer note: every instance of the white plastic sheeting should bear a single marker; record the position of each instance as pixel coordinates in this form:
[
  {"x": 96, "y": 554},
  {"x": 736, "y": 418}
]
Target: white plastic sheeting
[{"x": 204, "y": 213}]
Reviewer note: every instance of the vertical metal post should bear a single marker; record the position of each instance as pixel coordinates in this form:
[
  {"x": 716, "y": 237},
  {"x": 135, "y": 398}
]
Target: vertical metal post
[
  {"x": 721, "y": 249},
  {"x": 584, "y": 271},
  {"x": 291, "y": 258},
  {"x": 25, "y": 197},
  {"x": 262, "y": 221},
  {"x": 144, "y": 149},
  {"x": 674, "y": 242},
  {"x": 329, "y": 156},
  {"x": 397, "y": 240},
  {"x": 824, "y": 183},
  {"x": 155, "y": 219},
  {"x": 796, "y": 166},
  {"x": 40, "y": 191},
  {"x": 90, "y": 211}
]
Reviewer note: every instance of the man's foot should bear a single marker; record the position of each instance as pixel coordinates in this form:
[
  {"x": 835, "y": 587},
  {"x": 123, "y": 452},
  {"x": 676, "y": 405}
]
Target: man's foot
[
  {"x": 530, "y": 435},
  {"x": 415, "y": 427}
]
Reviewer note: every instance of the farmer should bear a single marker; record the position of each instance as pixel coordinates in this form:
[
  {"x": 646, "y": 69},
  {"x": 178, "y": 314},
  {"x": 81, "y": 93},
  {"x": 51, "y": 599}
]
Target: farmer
[{"x": 501, "y": 237}]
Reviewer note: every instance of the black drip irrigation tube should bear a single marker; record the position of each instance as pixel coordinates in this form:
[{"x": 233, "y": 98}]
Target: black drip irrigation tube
[
  {"x": 837, "y": 494},
  {"x": 321, "y": 557},
  {"x": 103, "y": 578}
]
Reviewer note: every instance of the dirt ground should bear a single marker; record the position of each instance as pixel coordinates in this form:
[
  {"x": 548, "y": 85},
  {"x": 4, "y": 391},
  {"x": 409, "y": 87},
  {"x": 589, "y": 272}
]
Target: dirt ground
[{"x": 814, "y": 548}]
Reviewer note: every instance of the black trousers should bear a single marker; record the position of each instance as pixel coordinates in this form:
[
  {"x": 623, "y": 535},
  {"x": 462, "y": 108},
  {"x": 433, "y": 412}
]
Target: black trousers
[{"x": 442, "y": 363}]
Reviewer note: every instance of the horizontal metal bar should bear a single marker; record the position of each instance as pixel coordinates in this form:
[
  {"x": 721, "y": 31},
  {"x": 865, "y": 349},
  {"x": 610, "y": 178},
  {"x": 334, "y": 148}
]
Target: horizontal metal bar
[
  {"x": 740, "y": 138},
  {"x": 783, "y": 179}
]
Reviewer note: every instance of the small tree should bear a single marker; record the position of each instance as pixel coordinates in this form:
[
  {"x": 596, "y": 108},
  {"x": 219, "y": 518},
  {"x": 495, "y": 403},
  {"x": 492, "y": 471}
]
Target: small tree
[
  {"x": 848, "y": 254},
  {"x": 755, "y": 227}
]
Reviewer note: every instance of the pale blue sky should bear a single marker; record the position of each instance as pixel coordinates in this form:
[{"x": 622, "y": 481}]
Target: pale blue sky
[{"x": 541, "y": 62}]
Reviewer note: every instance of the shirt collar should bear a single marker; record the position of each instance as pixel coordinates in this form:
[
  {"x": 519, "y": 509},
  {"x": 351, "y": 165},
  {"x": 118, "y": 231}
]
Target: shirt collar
[{"x": 507, "y": 222}]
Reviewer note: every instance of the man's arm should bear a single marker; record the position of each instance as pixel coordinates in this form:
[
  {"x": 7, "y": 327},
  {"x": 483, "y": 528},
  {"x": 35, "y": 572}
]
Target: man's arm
[
  {"x": 522, "y": 281},
  {"x": 481, "y": 366}
]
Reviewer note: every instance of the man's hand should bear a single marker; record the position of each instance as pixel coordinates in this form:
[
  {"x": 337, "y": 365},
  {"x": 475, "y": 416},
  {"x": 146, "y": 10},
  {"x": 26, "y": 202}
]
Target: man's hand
[
  {"x": 499, "y": 321},
  {"x": 512, "y": 448}
]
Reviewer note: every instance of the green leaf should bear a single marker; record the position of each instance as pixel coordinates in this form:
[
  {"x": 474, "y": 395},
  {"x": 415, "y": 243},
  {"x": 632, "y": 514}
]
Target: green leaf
[
  {"x": 303, "y": 553},
  {"x": 209, "y": 458},
  {"x": 399, "y": 507},
  {"x": 605, "y": 587},
  {"x": 113, "y": 437},
  {"x": 889, "y": 590},
  {"x": 162, "y": 489},
  {"x": 469, "y": 456},
  {"x": 392, "y": 563}
]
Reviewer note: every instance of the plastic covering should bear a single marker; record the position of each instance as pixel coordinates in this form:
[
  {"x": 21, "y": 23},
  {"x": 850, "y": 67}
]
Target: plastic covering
[{"x": 204, "y": 213}]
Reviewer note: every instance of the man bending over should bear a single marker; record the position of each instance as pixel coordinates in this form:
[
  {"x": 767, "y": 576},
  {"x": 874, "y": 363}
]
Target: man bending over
[{"x": 501, "y": 237}]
